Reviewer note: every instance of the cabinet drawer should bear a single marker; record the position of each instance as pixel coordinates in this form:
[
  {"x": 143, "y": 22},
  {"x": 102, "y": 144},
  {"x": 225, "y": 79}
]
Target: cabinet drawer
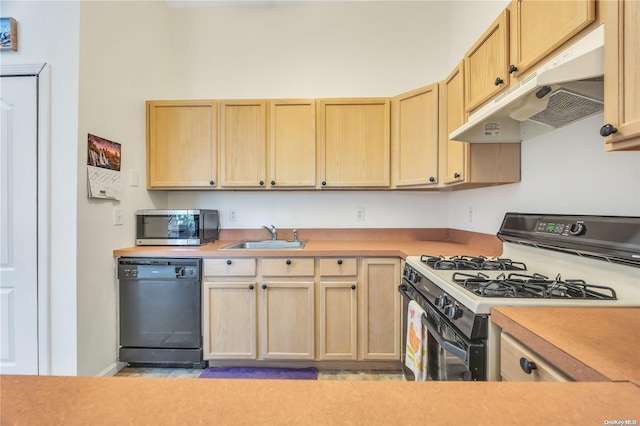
[
  {"x": 288, "y": 267},
  {"x": 338, "y": 266},
  {"x": 230, "y": 267},
  {"x": 511, "y": 353}
]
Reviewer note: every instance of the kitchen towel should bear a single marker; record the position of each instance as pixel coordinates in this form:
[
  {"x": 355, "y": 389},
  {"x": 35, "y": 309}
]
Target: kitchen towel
[
  {"x": 310, "y": 373},
  {"x": 416, "y": 350}
]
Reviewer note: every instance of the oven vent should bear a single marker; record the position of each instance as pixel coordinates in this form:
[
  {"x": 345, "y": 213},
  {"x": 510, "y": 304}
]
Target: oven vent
[
  {"x": 565, "y": 107},
  {"x": 581, "y": 253}
]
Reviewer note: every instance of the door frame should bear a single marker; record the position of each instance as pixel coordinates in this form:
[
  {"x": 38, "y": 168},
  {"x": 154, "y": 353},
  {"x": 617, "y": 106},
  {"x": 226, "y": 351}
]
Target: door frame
[{"x": 42, "y": 73}]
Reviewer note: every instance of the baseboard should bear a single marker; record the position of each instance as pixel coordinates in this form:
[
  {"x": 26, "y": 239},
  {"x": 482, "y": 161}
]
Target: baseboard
[{"x": 112, "y": 370}]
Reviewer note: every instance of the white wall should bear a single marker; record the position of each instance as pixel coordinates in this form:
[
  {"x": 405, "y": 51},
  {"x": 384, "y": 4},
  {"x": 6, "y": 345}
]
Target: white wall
[
  {"x": 42, "y": 38},
  {"x": 358, "y": 49},
  {"x": 326, "y": 209},
  {"x": 566, "y": 171},
  {"x": 468, "y": 20},
  {"x": 124, "y": 60},
  {"x": 315, "y": 49},
  {"x": 109, "y": 57}
]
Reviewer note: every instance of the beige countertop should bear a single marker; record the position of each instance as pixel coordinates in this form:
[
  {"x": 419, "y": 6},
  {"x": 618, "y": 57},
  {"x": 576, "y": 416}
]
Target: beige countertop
[
  {"x": 368, "y": 242},
  {"x": 588, "y": 344},
  {"x": 32, "y": 400}
]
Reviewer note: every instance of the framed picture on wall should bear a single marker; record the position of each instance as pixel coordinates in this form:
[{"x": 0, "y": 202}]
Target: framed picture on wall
[{"x": 8, "y": 34}]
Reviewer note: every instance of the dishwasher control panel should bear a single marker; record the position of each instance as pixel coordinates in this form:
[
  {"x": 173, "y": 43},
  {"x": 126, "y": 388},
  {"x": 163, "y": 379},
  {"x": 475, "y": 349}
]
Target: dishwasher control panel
[{"x": 158, "y": 269}]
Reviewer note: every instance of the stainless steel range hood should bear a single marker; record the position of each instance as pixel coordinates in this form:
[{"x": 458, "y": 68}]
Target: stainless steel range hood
[{"x": 566, "y": 89}]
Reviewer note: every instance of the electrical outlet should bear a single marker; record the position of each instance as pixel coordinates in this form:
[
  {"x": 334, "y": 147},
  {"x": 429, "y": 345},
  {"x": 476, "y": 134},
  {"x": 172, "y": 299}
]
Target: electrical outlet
[
  {"x": 117, "y": 216},
  {"x": 360, "y": 213},
  {"x": 233, "y": 215},
  {"x": 470, "y": 214}
]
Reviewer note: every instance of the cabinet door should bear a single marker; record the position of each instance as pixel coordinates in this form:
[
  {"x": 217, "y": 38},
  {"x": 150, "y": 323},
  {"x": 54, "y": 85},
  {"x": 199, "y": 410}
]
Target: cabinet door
[
  {"x": 354, "y": 142},
  {"x": 415, "y": 137},
  {"x": 243, "y": 143},
  {"x": 478, "y": 164},
  {"x": 292, "y": 143},
  {"x": 379, "y": 309},
  {"x": 512, "y": 354},
  {"x": 453, "y": 154},
  {"x": 230, "y": 267},
  {"x": 622, "y": 79},
  {"x": 181, "y": 144},
  {"x": 338, "y": 321},
  {"x": 541, "y": 26},
  {"x": 229, "y": 326},
  {"x": 487, "y": 62},
  {"x": 287, "y": 327}
]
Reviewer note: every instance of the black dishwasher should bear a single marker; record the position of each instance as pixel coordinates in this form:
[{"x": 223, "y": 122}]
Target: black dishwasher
[{"x": 160, "y": 312}]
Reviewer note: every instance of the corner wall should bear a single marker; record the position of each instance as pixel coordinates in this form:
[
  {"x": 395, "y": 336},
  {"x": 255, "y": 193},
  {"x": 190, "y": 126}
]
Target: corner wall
[
  {"x": 41, "y": 39},
  {"x": 124, "y": 59}
]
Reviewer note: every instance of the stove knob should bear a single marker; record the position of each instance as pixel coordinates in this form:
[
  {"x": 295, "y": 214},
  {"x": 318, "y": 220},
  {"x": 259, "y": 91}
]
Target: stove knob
[
  {"x": 415, "y": 278},
  {"x": 441, "y": 301},
  {"x": 407, "y": 272},
  {"x": 577, "y": 229},
  {"x": 452, "y": 311}
]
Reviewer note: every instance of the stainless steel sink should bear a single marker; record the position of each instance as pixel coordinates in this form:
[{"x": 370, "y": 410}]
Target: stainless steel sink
[{"x": 266, "y": 244}]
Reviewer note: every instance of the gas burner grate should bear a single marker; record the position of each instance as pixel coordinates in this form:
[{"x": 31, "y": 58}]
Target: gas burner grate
[
  {"x": 531, "y": 286},
  {"x": 472, "y": 263}
]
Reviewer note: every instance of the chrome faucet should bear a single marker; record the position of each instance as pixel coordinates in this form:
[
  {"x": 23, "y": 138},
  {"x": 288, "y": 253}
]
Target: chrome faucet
[
  {"x": 273, "y": 231},
  {"x": 295, "y": 235}
]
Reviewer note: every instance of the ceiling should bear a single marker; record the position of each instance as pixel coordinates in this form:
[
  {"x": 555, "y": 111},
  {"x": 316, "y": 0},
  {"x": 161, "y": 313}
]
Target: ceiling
[{"x": 216, "y": 3}]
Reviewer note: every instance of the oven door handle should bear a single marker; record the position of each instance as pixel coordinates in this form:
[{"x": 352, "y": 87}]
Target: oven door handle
[
  {"x": 447, "y": 345},
  {"x": 403, "y": 292}
]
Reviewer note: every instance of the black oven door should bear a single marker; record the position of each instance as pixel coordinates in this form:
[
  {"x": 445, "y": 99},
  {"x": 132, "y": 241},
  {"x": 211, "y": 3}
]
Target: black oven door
[
  {"x": 405, "y": 291},
  {"x": 450, "y": 355}
]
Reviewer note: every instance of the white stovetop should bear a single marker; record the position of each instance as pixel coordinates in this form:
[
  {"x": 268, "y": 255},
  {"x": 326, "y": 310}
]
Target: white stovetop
[{"x": 625, "y": 280}]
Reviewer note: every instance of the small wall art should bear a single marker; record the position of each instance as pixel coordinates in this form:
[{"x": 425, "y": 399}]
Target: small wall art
[
  {"x": 8, "y": 34},
  {"x": 103, "y": 168}
]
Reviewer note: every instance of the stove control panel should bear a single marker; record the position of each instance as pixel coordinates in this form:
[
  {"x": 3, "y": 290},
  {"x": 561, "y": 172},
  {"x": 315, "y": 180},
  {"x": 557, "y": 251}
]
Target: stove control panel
[
  {"x": 444, "y": 307},
  {"x": 453, "y": 310},
  {"x": 411, "y": 275},
  {"x": 561, "y": 228}
]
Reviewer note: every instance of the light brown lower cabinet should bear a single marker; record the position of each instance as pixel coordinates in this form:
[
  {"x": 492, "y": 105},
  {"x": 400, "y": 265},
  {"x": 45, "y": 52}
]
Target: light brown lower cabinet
[
  {"x": 379, "y": 306},
  {"x": 286, "y": 329},
  {"x": 520, "y": 364},
  {"x": 287, "y": 316},
  {"x": 229, "y": 325},
  {"x": 273, "y": 311},
  {"x": 338, "y": 291}
]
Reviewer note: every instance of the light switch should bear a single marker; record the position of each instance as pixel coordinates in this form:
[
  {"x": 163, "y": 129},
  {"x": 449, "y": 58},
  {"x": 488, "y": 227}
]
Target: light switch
[
  {"x": 133, "y": 178},
  {"x": 117, "y": 216}
]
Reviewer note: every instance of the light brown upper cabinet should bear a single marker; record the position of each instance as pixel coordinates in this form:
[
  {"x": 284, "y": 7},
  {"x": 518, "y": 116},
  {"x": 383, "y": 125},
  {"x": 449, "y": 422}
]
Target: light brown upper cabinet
[
  {"x": 538, "y": 27},
  {"x": 487, "y": 62},
  {"x": 292, "y": 143},
  {"x": 621, "y": 76},
  {"x": 181, "y": 144},
  {"x": 414, "y": 139},
  {"x": 353, "y": 142},
  {"x": 452, "y": 115},
  {"x": 243, "y": 143},
  {"x": 470, "y": 165}
]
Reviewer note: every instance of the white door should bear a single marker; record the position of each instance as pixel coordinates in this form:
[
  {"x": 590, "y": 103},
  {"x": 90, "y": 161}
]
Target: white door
[{"x": 18, "y": 225}]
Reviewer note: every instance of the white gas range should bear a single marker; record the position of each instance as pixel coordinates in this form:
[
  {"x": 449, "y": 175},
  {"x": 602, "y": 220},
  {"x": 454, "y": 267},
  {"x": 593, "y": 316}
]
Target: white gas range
[{"x": 547, "y": 260}]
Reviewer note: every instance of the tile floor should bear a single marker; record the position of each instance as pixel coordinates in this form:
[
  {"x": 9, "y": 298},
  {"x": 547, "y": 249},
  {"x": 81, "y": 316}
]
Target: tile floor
[{"x": 322, "y": 374}]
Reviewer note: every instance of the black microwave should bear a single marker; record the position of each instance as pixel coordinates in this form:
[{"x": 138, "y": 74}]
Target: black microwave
[{"x": 176, "y": 227}]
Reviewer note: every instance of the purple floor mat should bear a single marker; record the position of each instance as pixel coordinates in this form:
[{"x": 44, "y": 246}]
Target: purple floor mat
[{"x": 310, "y": 373}]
